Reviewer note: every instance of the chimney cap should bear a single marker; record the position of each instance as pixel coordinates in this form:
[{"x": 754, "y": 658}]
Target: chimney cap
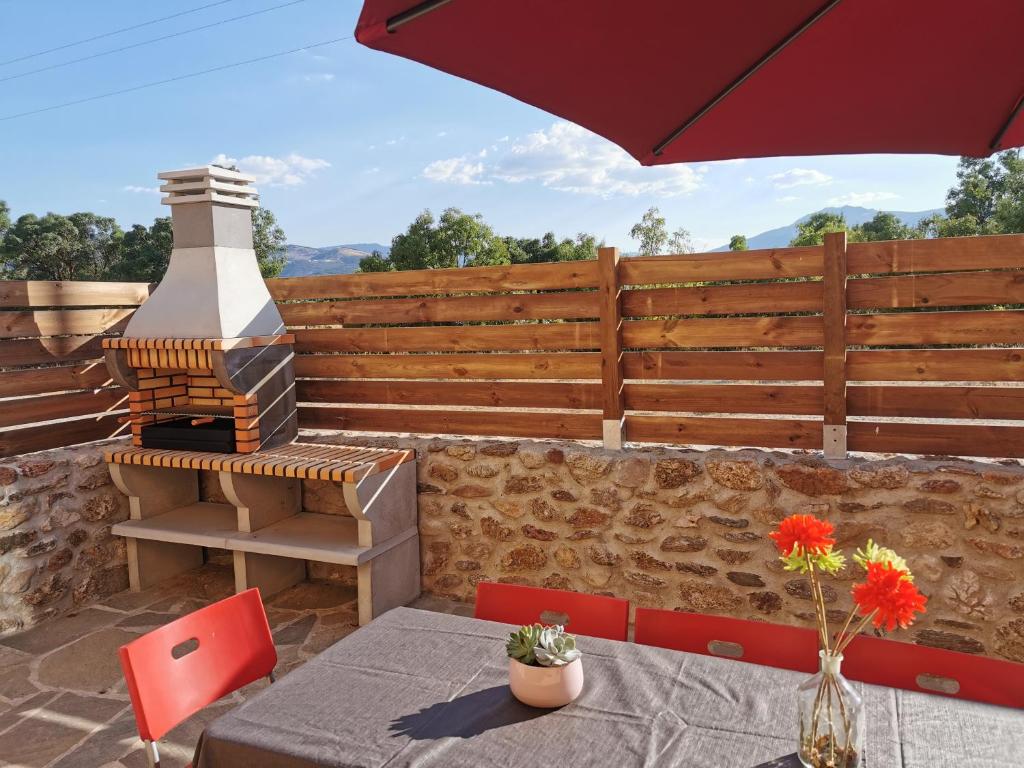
[
  {"x": 211, "y": 171},
  {"x": 210, "y": 184}
]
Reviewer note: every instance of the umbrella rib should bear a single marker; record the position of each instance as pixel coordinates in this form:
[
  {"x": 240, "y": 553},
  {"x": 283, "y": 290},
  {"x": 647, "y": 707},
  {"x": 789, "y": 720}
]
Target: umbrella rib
[
  {"x": 771, "y": 54},
  {"x": 420, "y": 9},
  {"x": 1006, "y": 126}
]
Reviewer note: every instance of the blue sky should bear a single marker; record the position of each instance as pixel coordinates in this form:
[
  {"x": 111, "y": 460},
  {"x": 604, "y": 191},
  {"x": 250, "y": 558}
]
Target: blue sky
[{"x": 350, "y": 144}]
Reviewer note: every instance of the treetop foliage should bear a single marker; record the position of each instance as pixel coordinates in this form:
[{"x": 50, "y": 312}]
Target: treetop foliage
[{"x": 84, "y": 246}]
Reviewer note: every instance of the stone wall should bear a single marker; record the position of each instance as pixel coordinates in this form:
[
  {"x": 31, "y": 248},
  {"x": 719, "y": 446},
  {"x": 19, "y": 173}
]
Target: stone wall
[
  {"x": 56, "y": 551},
  {"x": 664, "y": 528},
  {"x": 687, "y": 529}
]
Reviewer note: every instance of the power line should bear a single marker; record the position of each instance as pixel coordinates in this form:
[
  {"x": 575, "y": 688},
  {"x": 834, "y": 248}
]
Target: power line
[
  {"x": 148, "y": 42},
  {"x": 114, "y": 32},
  {"x": 155, "y": 83}
]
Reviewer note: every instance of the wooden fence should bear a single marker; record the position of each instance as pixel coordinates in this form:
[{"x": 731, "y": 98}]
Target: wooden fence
[
  {"x": 54, "y": 387},
  {"x": 908, "y": 346}
]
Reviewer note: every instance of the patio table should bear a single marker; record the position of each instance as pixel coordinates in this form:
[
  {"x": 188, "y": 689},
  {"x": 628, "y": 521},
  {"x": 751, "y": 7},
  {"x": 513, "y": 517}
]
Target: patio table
[{"x": 417, "y": 688}]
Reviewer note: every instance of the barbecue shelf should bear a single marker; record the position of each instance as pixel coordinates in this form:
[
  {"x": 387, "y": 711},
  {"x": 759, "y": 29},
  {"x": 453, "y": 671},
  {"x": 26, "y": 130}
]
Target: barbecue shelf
[{"x": 264, "y": 526}]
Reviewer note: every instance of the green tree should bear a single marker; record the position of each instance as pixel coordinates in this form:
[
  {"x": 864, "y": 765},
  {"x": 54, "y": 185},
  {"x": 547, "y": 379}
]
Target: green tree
[
  {"x": 738, "y": 243},
  {"x": 531, "y": 250},
  {"x": 5, "y": 224},
  {"x": 268, "y": 240},
  {"x": 145, "y": 252},
  {"x": 464, "y": 240},
  {"x": 456, "y": 239},
  {"x": 82, "y": 246},
  {"x": 813, "y": 229},
  {"x": 884, "y": 226},
  {"x": 988, "y": 198},
  {"x": 651, "y": 232},
  {"x": 1009, "y": 208},
  {"x": 680, "y": 242},
  {"x": 376, "y": 262}
]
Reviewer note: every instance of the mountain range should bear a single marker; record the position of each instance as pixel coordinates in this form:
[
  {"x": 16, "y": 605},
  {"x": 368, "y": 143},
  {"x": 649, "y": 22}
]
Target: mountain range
[
  {"x": 330, "y": 260},
  {"x": 854, "y": 215},
  {"x": 344, "y": 259}
]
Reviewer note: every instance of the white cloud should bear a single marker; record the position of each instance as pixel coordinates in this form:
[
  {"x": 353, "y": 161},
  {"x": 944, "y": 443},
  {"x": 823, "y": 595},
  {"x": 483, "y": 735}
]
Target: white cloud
[
  {"x": 787, "y": 199},
  {"x": 456, "y": 170},
  {"x": 862, "y": 198},
  {"x": 568, "y": 158},
  {"x": 142, "y": 190},
  {"x": 319, "y": 77},
  {"x": 442, "y": 134},
  {"x": 799, "y": 177},
  {"x": 288, "y": 171},
  {"x": 393, "y": 142}
]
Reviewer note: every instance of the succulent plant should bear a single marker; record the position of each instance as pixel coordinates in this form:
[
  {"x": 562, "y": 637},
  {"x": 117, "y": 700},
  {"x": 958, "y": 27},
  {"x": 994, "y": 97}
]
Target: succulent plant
[
  {"x": 521, "y": 643},
  {"x": 538, "y": 646},
  {"x": 555, "y": 647}
]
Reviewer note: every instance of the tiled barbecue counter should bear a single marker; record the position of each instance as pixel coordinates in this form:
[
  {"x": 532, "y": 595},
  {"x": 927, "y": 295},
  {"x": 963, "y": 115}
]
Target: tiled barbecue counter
[{"x": 263, "y": 523}]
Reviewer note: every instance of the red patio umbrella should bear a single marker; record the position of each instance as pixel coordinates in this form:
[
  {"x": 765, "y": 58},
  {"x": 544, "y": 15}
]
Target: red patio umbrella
[{"x": 687, "y": 80}]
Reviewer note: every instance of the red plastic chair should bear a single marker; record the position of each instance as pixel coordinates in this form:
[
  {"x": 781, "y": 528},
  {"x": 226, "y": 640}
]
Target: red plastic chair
[
  {"x": 168, "y": 681},
  {"x": 591, "y": 615},
  {"x": 934, "y": 670},
  {"x": 771, "y": 645}
]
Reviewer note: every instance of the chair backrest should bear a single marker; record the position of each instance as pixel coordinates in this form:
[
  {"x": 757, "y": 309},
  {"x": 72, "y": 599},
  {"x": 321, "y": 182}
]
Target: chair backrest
[
  {"x": 771, "y": 645},
  {"x": 234, "y": 648},
  {"x": 591, "y": 615},
  {"x": 934, "y": 670}
]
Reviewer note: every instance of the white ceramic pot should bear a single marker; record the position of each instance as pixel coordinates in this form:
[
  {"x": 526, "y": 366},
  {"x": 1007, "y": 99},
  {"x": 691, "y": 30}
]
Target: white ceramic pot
[{"x": 545, "y": 686}]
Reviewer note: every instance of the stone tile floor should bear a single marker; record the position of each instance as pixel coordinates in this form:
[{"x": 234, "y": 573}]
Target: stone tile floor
[{"x": 63, "y": 701}]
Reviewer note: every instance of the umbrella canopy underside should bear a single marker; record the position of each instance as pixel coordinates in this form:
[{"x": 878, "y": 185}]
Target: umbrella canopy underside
[{"x": 694, "y": 80}]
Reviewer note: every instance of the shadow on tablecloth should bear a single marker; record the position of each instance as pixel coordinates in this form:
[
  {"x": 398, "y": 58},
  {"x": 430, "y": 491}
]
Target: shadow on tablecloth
[
  {"x": 465, "y": 716},
  {"x": 788, "y": 761}
]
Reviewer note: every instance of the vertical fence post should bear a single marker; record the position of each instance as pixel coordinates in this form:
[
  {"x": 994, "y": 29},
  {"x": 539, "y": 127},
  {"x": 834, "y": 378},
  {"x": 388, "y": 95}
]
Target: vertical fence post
[
  {"x": 834, "y": 308},
  {"x": 609, "y": 294}
]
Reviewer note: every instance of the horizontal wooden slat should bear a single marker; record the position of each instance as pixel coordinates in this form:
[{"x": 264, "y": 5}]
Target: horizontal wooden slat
[
  {"x": 570, "y": 426},
  {"x": 39, "y": 293},
  {"x": 938, "y": 255},
  {"x": 787, "y": 331},
  {"x": 725, "y": 398},
  {"x": 52, "y": 350},
  {"x": 50, "y": 407},
  {"x": 566, "y": 305},
  {"x": 450, "y": 338},
  {"x": 700, "y": 430},
  {"x": 1006, "y": 327},
  {"x": 62, "y": 322},
  {"x": 935, "y": 365},
  {"x": 744, "y": 298},
  {"x": 734, "y": 265},
  {"x": 937, "y": 402},
  {"x": 519, "y": 277},
  {"x": 89, "y": 375},
  {"x": 547, "y": 394},
  {"x": 14, "y": 442},
  {"x": 959, "y": 289},
  {"x": 942, "y": 439},
  {"x": 566, "y": 365},
  {"x": 728, "y": 366}
]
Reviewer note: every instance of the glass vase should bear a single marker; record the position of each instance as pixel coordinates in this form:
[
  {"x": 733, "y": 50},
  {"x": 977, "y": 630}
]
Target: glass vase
[{"x": 831, "y": 719}]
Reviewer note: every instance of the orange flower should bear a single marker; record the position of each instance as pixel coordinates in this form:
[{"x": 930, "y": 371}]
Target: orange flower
[
  {"x": 805, "y": 534},
  {"x": 890, "y": 595}
]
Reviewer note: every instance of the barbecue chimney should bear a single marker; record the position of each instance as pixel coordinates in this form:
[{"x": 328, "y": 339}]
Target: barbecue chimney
[{"x": 206, "y": 357}]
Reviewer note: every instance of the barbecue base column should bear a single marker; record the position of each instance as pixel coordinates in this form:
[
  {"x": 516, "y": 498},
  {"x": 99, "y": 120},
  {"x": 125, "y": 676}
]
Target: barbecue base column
[
  {"x": 390, "y": 579},
  {"x": 150, "y": 562},
  {"x": 269, "y": 573}
]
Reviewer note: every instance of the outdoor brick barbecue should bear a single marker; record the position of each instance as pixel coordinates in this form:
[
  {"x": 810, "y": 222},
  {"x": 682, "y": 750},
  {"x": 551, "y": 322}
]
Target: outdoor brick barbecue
[
  {"x": 209, "y": 370},
  {"x": 206, "y": 359}
]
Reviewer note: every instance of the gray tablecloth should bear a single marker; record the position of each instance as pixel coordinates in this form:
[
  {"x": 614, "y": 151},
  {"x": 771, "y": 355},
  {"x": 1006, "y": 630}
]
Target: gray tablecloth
[{"x": 415, "y": 688}]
